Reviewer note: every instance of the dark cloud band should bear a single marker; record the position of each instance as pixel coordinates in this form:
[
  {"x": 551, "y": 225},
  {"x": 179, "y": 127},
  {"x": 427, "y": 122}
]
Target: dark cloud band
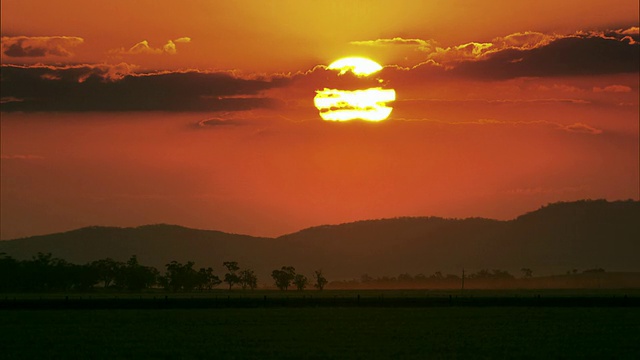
[
  {"x": 104, "y": 88},
  {"x": 562, "y": 57},
  {"x": 39, "y": 46}
]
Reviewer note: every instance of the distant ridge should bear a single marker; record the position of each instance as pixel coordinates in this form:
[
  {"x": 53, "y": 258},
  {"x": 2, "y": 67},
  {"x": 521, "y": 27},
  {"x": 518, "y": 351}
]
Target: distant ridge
[{"x": 553, "y": 239}]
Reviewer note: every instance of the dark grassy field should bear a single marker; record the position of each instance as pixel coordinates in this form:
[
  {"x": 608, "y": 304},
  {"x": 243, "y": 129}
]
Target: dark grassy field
[
  {"x": 365, "y": 333},
  {"x": 331, "y": 324},
  {"x": 156, "y": 299}
]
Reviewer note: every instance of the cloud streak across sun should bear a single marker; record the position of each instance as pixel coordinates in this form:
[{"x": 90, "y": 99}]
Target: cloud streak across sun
[
  {"x": 368, "y": 104},
  {"x": 528, "y": 54}
]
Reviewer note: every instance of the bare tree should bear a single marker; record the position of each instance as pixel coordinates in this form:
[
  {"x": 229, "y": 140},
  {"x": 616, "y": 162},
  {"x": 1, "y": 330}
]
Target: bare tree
[{"x": 321, "y": 281}]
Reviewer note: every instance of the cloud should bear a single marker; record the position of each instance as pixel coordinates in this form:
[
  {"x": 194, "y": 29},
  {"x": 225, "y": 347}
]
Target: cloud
[
  {"x": 631, "y": 31},
  {"x": 469, "y": 51},
  {"x": 419, "y": 44},
  {"x": 66, "y": 73},
  {"x": 526, "y": 54},
  {"x": 590, "y": 54},
  {"x": 502, "y": 101},
  {"x": 523, "y": 40},
  {"x": 574, "y": 128},
  {"x": 581, "y": 128},
  {"x": 144, "y": 48},
  {"x": 218, "y": 122},
  {"x": 612, "y": 88},
  {"x": 560, "y": 87},
  {"x": 21, "y": 157},
  {"x": 39, "y": 46},
  {"x": 546, "y": 190},
  {"x": 9, "y": 99},
  {"x": 119, "y": 88}
]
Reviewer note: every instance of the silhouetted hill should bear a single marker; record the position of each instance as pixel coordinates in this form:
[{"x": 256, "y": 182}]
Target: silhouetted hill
[
  {"x": 154, "y": 245},
  {"x": 553, "y": 239}
]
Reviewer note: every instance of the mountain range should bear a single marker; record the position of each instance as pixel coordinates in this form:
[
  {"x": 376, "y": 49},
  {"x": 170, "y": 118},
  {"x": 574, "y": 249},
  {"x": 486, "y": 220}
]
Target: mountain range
[{"x": 551, "y": 240}]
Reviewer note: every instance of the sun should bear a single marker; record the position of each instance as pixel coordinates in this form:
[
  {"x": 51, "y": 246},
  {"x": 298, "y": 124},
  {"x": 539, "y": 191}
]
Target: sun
[
  {"x": 344, "y": 105},
  {"x": 357, "y": 65}
]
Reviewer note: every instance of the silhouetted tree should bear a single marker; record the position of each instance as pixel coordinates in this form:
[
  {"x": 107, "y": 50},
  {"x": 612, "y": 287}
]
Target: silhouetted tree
[
  {"x": 10, "y": 273},
  {"x": 231, "y": 277},
  {"x": 248, "y": 279},
  {"x": 526, "y": 273},
  {"x": 490, "y": 275},
  {"x": 593, "y": 271},
  {"x": 300, "y": 281},
  {"x": 207, "y": 280},
  {"x": 420, "y": 277},
  {"x": 83, "y": 277},
  {"x": 107, "y": 270},
  {"x": 284, "y": 277},
  {"x": 136, "y": 277},
  {"x": 321, "y": 281},
  {"x": 181, "y": 276},
  {"x": 39, "y": 272}
]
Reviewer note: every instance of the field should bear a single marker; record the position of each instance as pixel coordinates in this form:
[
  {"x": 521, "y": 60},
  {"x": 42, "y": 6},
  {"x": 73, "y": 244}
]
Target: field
[{"x": 351, "y": 331}]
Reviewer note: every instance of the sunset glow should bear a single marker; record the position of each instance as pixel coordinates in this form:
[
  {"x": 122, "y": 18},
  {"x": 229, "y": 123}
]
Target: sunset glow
[
  {"x": 262, "y": 118},
  {"x": 303, "y": 178}
]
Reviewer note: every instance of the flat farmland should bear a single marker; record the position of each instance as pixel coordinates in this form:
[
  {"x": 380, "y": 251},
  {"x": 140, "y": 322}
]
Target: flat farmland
[
  {"x": 320, "y": 332},
  {"x": 155, "y": 299}
]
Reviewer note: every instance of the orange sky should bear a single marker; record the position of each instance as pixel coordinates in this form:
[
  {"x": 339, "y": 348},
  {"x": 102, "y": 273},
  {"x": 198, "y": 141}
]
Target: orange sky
[{"x": 201, "y": 113}]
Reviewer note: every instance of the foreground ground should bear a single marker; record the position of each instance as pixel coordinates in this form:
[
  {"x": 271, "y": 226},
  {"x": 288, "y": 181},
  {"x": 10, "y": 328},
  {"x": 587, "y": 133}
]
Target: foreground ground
[{"x": 368, "y": 332}]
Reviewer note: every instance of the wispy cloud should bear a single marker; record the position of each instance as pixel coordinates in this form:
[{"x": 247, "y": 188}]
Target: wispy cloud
[
  {"x": 575, "y": 127},
  {"x": 219, "y": 122},
  {"x": 144, "y": 48},
  {"x": 538, "y": 190},
  {"x": 8, "y": 99},
  {"x": 419, "y": 44},
  {"x": 39, "y": 46},
  {"x": 581, "y": 128},
  {"x": 21, "y": 157},
  {"x": 613, "y": 89}
]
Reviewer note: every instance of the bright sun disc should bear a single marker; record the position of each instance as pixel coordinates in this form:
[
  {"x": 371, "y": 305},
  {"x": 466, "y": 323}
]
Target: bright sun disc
[
  {"x": 357, "y": 65},
  {"x": 365, "y": 104}
]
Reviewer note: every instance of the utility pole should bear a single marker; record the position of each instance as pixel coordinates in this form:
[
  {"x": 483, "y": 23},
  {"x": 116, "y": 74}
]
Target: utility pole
[{"x": 462, "y": 280}]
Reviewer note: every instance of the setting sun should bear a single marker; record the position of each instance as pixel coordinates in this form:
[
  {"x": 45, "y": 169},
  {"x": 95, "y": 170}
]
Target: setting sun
[
  {"x": 344, "y": 105},
  {"x": 357, "y": 65}
]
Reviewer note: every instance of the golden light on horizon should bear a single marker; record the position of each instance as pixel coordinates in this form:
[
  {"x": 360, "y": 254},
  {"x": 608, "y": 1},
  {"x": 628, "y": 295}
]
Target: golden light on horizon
[{"x": 365, "y": 104}]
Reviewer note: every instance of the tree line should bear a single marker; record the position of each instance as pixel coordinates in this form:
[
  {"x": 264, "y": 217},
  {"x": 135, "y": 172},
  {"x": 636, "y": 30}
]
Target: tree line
[
  {"x": 483, "y": 278},
  {"x": 45, "y": 273}
]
